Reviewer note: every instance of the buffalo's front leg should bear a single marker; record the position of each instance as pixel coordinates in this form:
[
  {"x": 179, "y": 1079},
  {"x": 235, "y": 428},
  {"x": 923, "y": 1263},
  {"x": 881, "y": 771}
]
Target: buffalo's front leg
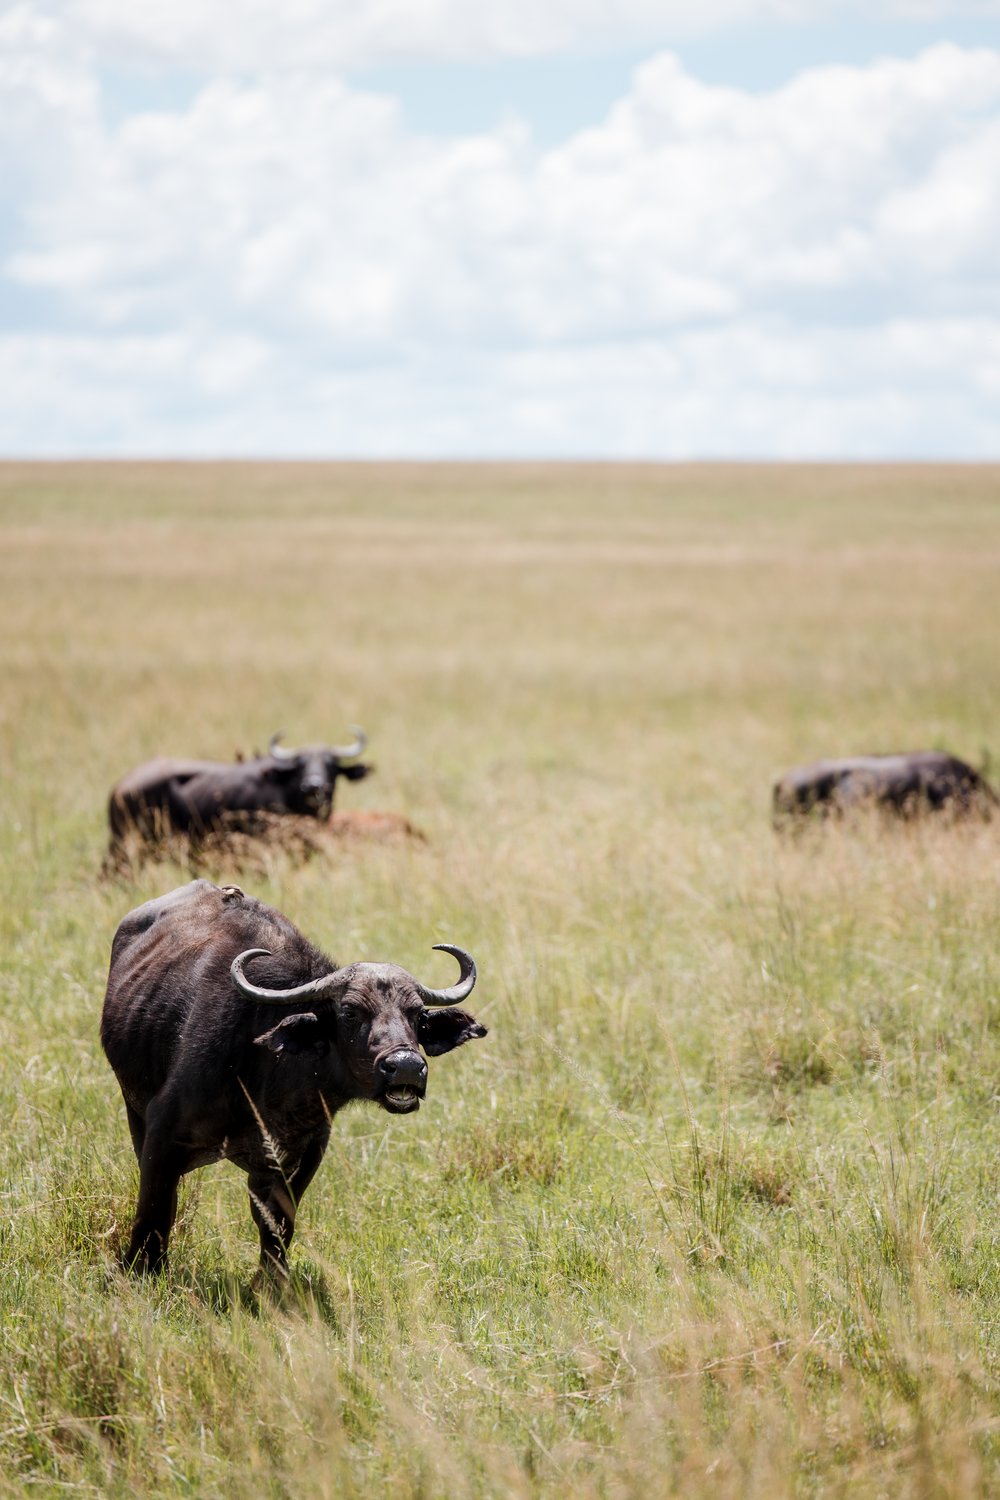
[
  {"x": 274, "y": 1198},
  {"x": 137, "y": 1130},
  {"x": 160, "y": 1168}
]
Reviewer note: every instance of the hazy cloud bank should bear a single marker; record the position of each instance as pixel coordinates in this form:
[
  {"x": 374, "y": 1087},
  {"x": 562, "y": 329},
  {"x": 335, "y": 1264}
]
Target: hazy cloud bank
[{"x": 281, "y": 265}]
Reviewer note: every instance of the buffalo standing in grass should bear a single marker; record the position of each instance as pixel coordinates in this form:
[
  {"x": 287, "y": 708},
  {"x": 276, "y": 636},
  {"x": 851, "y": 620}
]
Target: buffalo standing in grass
[
  {"x": 194, "y": 797},
  {"x": 921, "y": 781},
  {"x": 208, "y": 1074}
]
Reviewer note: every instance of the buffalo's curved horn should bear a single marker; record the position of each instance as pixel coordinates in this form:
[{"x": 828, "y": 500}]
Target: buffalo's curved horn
[
  {"x": 314, "y": 989},
  {"x": 360, "y": 741},
  {"x": 275, "y": 751},
  {"x": 343, "y": 752},
  {"x": 456, "y": 992}
]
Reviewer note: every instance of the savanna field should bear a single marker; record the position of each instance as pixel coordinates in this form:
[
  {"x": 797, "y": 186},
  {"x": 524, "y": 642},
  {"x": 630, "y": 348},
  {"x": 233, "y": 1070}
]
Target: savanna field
[{"x": 713, "y": 1209}]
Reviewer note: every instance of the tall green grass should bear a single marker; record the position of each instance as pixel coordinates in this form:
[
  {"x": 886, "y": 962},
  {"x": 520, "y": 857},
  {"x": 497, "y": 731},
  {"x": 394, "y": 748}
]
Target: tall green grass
[{"x": 713, "y": 1210}]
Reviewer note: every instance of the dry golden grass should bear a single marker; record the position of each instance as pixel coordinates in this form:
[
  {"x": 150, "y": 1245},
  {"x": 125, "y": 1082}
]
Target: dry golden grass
[{"x": 713, "y": 1209}]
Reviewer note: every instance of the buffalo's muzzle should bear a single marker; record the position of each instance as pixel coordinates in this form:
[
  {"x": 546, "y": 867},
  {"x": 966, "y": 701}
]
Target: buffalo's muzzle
[
  {"x": 404, "y": 1080},
  {"x": 318, "y": 804}
]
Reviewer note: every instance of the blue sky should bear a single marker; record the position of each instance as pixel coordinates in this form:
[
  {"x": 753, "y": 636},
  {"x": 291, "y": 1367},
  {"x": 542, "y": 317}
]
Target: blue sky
[
  {"x": 546, "y": 229},
  {"x": 563, "y": 93}
]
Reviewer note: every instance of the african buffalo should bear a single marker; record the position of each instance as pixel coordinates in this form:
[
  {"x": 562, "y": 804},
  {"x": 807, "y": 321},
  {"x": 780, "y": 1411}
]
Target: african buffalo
[
  {"x": 207, "y": 1074},
  {"x": 166, "y": 796},
  {"x": 917, "y": 782}
]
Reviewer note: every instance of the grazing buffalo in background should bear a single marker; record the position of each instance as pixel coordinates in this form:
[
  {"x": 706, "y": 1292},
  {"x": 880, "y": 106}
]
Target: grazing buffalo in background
[
  {"x": 918, "y": 782},
  {"x": 207, "y": 1073},
  {"x": 166, "y": 796}
]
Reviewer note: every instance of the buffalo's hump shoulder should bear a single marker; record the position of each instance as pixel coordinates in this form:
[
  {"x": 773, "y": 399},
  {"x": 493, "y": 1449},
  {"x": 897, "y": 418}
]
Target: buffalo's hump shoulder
[{"x": 201, "y": 927}]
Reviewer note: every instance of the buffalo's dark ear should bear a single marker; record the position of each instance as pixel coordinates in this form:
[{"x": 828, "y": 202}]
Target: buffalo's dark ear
[
  {"x": 355, "y": 773},
  {"x": 293, "y": 1034},
  {"x": 441, "y": 1030}
]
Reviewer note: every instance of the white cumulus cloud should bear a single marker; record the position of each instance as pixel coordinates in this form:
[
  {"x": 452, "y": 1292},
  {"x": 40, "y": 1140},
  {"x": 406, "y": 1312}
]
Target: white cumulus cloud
[{"x": 281, "y": 264}]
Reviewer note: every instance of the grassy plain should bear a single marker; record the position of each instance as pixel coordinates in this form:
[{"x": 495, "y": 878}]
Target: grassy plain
[{"x": 713, "y": 1210}]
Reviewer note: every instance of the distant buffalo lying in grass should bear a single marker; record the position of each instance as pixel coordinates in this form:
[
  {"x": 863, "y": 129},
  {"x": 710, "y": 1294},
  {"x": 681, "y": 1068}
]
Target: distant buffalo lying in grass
[
  {"x": 191, "y": 796},
  {"x": 208, "y": 1073},
  {"x": 907, "y": 785},
  {"x": 163, "y": 798}
]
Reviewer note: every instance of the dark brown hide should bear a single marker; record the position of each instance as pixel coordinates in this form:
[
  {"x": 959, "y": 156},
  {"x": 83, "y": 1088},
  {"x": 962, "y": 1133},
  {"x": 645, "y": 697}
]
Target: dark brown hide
[
  {"x": 207, "y": 1073},
  {"x": 909, "y": 784},
  {"x": 165, "y": 796}
]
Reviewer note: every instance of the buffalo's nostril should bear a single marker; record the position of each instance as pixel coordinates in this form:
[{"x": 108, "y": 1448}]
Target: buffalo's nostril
[{"x": 404, "y": 1069}]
